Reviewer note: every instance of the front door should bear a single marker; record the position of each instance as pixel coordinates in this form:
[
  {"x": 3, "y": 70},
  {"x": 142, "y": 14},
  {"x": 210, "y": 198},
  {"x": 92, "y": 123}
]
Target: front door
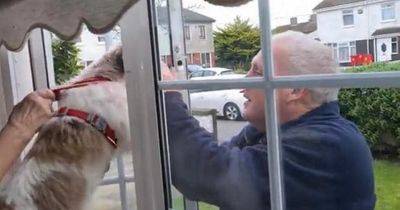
[{"x": 384, "y": 49}]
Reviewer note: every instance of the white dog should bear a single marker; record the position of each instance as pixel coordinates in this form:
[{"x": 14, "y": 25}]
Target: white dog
[{"x": 70, "y": 156}]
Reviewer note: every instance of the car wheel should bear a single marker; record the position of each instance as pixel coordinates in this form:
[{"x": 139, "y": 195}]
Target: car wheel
[{"x": 232, "y": 112}]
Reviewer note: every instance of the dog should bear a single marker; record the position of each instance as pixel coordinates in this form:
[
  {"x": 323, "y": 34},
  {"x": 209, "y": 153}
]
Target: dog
[{"x": 70, "y": 156}]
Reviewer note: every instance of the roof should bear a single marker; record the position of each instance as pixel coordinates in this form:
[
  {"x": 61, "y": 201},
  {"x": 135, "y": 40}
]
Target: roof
[
  {"x": 306, "y": 27},
  {"x": 188, "y": 16},
  {"x": 332, "y": 3},
  {"x": 389, "y": 30}
]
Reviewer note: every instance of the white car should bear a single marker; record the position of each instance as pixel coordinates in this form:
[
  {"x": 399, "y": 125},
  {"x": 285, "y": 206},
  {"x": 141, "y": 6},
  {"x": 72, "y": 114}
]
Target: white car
[
  {"x": 228, "y": 103},
  {"x": 214, "y": 71}
]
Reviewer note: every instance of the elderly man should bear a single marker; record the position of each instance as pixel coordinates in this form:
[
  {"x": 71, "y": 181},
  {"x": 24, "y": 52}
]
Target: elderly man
[{"x": 327, "y": 163}]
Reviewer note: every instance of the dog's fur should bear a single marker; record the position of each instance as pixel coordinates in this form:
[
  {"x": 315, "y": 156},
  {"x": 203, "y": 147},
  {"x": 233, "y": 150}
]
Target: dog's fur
[{"x": 69, "y": 157}]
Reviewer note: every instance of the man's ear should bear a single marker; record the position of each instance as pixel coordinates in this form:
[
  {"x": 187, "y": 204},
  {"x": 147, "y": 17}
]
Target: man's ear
[{"x": 295, "y": 94}]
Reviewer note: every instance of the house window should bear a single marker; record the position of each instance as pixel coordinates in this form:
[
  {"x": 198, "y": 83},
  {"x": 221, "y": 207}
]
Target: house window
[
  {"x": 202, "y": 29},
  {"x": 205, "y": 59},
  {"x": 101, "y": 39},
  {"x": 346, "y": 49},
  {"x": 395, "y": 45},
  {"x": 388, "y": 12},
  {"x": 348, "y": 17},
  {"x": 187, "y": 32},
  {"x": 353, "y": 48}
]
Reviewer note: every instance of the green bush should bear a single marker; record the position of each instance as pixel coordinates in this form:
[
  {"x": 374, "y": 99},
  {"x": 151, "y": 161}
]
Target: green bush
[{"x": 375, "y": 111}]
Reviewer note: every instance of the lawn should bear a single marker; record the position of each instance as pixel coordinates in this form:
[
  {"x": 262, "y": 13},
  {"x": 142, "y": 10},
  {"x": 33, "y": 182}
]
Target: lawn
[{"x": 387, "y": 187}]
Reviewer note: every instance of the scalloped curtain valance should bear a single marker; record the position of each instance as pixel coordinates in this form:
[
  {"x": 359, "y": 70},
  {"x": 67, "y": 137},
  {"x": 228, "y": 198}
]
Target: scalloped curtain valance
[{"x": 64, "y": 17}]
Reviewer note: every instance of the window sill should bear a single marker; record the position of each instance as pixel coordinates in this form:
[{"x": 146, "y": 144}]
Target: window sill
[
  {"x": 388, "y": 21},
  {"x": 348, "y": 26}
]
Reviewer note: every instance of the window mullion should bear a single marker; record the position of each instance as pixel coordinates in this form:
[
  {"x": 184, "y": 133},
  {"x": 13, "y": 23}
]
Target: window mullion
[{"x": 276, "y": 188}]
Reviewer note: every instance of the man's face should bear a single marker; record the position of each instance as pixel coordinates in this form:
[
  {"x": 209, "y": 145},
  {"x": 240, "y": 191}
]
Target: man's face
[
  {"x": 254, "y": 110},
  {"x": 254, "y": 106}
]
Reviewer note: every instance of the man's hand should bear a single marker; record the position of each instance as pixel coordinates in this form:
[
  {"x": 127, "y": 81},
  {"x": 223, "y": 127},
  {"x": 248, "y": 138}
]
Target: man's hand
[
  {"x": 31, "y": 113},
  {"x": 167, "y": 74}
]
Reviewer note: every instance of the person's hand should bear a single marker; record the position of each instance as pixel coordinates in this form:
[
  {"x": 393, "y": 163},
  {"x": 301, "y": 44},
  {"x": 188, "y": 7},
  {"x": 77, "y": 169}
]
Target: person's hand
[
  {"x": 31, "y": 113},
  {"x": 166, "y": 73}
]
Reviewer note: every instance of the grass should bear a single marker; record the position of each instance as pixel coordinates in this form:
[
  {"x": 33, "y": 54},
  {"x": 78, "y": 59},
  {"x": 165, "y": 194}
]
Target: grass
[
  {"x": 387, "y": 188},
  {"x": 387, "y": 185}
]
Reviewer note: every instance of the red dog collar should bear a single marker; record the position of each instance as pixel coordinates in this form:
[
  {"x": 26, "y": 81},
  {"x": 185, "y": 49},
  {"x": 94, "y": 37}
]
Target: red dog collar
[
  {"x": 94, "y": 120},
  {"x": 85, "y": 82}
]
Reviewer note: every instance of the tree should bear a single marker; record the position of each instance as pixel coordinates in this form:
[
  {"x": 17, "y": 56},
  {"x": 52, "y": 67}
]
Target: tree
[
  {"x": 66, "y": 61},
  {"x": 236, "y": 44}
]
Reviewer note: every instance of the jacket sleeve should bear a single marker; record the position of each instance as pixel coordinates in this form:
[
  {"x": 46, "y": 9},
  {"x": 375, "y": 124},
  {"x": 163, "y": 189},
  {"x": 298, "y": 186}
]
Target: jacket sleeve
[{"x": 223, "y": 175}]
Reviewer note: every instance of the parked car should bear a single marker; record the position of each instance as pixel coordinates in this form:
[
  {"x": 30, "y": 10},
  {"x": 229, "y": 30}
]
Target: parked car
[
  {"x": 193, "y": 68},
  {"x": 228, "y": 103},
  {"x": 213, "y": 71}
]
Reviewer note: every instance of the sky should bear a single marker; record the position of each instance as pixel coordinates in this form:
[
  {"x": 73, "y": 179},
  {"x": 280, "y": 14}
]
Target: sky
[{"x": 281, "y": 11}]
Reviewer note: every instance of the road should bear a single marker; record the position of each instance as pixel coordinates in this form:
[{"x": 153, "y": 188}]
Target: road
[{"x": 108, "y": 197}]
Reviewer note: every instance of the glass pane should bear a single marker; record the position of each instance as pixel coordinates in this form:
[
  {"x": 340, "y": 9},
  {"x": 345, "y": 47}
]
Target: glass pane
[
  {"x": 202, "y": 145},
  {"x": 81, "y": 56}
]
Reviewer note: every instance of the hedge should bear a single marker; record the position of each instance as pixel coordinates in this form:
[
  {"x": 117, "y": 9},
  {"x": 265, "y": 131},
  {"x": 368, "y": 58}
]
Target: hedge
[{"x": 375, "y": 111}]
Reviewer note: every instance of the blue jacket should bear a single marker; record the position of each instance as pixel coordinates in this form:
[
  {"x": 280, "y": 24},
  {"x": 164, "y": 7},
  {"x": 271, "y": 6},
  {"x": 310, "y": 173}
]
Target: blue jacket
[{"x": 327, "y": 163}]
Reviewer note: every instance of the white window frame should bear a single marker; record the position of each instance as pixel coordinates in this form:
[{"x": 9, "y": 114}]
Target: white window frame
[
  {"x": 202, "y": 31},
  {"x": 147, "y": 126},
  {"x": 347, "y": 13},
  {"x": 395, "y": 41},
  {"x": 388, "y": 7},
  {"x": 351, "y": 49}
]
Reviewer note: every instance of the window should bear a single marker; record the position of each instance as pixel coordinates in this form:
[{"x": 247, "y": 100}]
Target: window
[
  {"x": 202, "y": 29},
  {"x": 208, "y": 73},
  {"x": 348, "y": 17},
  {"x": 395, "y": 45},
  {"x": 388, "y": 12},
  {"x": 187, "y": 32},
  {"x": 101, "y": 39},
  {"x": 346, "y": 49},
  {"x": 205, "y": 59},
  {"x": 353, "y": 48}
]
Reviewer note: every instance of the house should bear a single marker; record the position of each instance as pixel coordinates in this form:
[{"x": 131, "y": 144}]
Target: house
[
  {"x": 309, "y": 27},
  {"x": 352, "y": 27},
  {"x": 198, "y": 34},
  {"x": 198, "y": 38}
]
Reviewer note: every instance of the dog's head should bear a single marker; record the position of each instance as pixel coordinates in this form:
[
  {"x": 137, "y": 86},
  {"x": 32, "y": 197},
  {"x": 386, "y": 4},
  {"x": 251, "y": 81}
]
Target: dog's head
[{"x": 106, "y": 99}]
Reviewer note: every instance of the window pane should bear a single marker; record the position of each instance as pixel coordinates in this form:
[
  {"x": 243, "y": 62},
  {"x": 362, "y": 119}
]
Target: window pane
[
  {"x": 343, "y": 52},
  {"x": 388, "y": 12},
  {"x": 353, "y": 49},
  {"x": 348, "y": 17},
  {"x": 395, "y": 45},
  {"x": 187, "y": 32},
  {"x": 202, "y": 30}
]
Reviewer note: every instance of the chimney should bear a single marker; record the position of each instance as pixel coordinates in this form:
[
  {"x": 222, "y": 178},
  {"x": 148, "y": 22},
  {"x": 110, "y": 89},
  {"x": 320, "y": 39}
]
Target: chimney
[{"x": 293, "y": 21}]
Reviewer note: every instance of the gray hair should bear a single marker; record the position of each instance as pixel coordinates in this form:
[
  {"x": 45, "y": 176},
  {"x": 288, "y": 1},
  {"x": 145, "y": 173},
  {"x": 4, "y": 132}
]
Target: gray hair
[{"x": 304, "y": 55}]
